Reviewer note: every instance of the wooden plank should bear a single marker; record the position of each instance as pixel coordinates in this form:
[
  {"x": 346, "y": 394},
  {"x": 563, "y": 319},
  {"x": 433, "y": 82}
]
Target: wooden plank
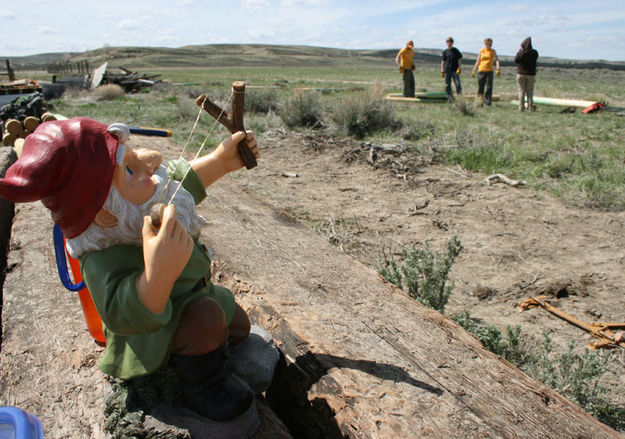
[
  {"x": 560, "y": 102},
  {"x": 362, "y": 359},
  {"x": 96, "y": 77},
  {"x": 429, "y": 97}
]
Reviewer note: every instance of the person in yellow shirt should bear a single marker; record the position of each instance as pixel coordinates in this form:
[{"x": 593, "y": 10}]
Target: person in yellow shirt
[
  {"x": 406, "y": 66},
  {"x": 484, "y": 65}
]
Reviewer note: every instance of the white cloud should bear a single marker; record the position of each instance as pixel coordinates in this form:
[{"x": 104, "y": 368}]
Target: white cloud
[
  {"x": 517, "y": 8},
  {"x": 304, "y": 2},
  {"x": 46, "y": 30},
  {"x": 128, "y": 24},
  {"x": 255, "y": 4},
  {"x": 552, "y": 17}
]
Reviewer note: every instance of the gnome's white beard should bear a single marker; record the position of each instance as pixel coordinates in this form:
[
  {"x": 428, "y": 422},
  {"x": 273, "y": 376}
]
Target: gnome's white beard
[{"x": 130, "y": 218}]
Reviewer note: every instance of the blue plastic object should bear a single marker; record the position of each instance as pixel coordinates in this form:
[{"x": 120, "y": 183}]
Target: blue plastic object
[
  {"x": 147, "y": 131},
  {"x": 15, "y": 423},
  {"x": 61, "y": 263}
]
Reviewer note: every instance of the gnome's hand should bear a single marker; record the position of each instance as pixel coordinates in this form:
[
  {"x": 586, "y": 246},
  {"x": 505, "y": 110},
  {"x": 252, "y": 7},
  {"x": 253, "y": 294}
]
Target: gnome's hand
[
  {"x": 227, "y": 151},
  {"x": 225, "y": 158},
  {"x": 165, "y": 255}
]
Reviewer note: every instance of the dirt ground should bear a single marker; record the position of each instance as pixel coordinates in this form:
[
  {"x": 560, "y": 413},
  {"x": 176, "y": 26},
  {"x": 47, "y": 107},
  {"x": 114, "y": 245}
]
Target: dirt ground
[{"x": 517, "y": 242}]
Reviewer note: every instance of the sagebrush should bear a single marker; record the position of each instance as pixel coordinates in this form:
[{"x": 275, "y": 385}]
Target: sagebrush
[
  {"x": 424, "y": 273},
  {"x": 577, "y": 376},
  {"x": 364, "y": 113}
]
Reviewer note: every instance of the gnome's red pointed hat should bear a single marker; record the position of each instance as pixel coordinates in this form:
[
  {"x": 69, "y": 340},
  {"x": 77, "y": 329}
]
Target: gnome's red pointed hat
[{"x": 69, "y": 166}]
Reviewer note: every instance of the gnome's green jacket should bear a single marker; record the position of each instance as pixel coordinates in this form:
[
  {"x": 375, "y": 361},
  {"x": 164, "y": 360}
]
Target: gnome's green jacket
[{"x": 138, "y": 341}]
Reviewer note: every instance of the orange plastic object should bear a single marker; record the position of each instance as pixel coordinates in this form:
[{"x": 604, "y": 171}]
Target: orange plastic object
[{"x": 94, "y": 322}]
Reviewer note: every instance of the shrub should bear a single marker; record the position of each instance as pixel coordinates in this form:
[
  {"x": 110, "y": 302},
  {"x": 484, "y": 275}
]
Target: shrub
[
  {"x": 364, "y": 113},
  {"x": 573, "y": 375},
  {"x": 424, "y": 273},
  {"x": 303, "y": 110},
  {"x": 511, "y": 346},
  {"x": 261, "y": 101},
  {"x": 108, "y": 92},
  {"x": 464, "y": 106},
  {"x": 417, "y": 130},
  {"x": 187, "y": 109}
]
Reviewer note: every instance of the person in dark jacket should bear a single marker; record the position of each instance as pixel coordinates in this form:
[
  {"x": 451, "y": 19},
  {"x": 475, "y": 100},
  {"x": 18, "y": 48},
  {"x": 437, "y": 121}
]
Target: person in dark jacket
[
  {"x": 526, "y": 59},
  {"x": 451, "y": 66}
]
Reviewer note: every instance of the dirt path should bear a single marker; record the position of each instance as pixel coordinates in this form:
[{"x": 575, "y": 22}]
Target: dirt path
[{"x": 517, "y": 242}]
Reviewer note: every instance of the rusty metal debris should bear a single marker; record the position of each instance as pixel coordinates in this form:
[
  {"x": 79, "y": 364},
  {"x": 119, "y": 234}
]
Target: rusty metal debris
[{"x": 606, "y": 338}]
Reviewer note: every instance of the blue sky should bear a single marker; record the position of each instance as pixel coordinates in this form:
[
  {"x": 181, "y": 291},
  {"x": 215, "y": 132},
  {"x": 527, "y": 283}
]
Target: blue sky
[{"x": 567, "y": 29}]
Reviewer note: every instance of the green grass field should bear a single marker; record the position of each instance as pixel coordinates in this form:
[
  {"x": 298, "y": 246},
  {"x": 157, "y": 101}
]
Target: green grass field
[{"x": 579, "y": 157}]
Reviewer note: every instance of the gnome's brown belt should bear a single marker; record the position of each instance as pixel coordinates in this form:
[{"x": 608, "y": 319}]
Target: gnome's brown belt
[{"x": 203, "y": 282}]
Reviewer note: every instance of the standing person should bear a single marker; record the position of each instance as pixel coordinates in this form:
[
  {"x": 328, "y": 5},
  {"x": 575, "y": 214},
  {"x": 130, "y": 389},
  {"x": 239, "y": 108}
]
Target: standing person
[
  {"x": 451, "y": 66},
  {"x": 406, "y": 66},
  {"x": 526, "y": 59},
  {"x": 484, "y": 65}
]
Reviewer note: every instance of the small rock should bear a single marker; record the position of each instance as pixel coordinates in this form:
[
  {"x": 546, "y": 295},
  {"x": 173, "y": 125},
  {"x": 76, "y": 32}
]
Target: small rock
[{"x": 255, "y": 359}]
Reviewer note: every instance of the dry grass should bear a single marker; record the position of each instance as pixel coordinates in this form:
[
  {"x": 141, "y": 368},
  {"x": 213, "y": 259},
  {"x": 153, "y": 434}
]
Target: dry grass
[{"x": 108, "y": 92}]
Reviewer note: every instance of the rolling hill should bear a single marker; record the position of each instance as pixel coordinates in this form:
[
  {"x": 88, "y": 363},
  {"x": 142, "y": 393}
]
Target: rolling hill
[{"x": 260, "y": 55}]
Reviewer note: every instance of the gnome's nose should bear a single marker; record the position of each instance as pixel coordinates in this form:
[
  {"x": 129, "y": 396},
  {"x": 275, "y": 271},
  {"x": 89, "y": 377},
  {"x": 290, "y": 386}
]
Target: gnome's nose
[{"x": 152, "y": 159}]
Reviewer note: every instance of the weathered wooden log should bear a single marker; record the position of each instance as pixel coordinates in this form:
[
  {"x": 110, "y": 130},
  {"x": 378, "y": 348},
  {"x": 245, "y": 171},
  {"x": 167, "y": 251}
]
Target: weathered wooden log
[
  {"x": 18, "y": 146},
  {"x": 31, "y": 123},
  {"x": 14, "y": 126},
  {"x": 362, "y": 359},
  {"x": 8, "y": 156},
  {"x": 8, "y": 139}
]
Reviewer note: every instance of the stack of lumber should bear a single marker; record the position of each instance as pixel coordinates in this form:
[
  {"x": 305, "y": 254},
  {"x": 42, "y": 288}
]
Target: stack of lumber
[
  {"x": 16, "y": 130},
  {"x": 130, "y": 81}
]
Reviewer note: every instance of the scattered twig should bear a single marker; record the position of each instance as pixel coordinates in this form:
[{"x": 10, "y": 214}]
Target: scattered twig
[
  {"x": 524, "y": 286},
  {"x": 456, "y": 172},
  {"x": 372, "y": 157},
  {"x": 425, "y": 204},
  {"x": 290, "y": 174},
  {"x": 500, "y": 178}
]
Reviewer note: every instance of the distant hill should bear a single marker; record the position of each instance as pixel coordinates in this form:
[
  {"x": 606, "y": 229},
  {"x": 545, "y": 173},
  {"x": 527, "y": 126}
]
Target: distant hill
[{"x": 225, "y": 55}]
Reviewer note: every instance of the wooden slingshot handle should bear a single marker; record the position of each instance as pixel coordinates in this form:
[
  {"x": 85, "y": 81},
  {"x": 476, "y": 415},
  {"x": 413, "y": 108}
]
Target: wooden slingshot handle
[{"x": 233, "y": 121}]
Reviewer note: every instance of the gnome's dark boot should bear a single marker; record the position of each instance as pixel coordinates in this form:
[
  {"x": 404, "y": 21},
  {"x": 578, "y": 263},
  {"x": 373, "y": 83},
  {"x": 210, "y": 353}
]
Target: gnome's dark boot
[{"x": 209, "y": 389}]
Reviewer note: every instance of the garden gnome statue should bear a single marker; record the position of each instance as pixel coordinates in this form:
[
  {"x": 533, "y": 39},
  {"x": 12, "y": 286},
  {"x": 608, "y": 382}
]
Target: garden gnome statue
[{"x": 150, "y": 285}]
